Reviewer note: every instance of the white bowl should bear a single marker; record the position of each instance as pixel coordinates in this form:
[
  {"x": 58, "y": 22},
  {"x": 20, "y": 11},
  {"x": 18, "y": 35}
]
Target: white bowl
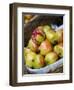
[{"x": 47, "y": 68}]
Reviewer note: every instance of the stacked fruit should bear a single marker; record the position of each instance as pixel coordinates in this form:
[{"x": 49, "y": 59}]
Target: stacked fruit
[{"x": 45, "y": 47}]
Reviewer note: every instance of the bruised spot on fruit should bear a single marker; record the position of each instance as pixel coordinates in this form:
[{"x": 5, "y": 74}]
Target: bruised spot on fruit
[
  {"x": 55, "y": 42},
  {"x": 32, "y": 60}
]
